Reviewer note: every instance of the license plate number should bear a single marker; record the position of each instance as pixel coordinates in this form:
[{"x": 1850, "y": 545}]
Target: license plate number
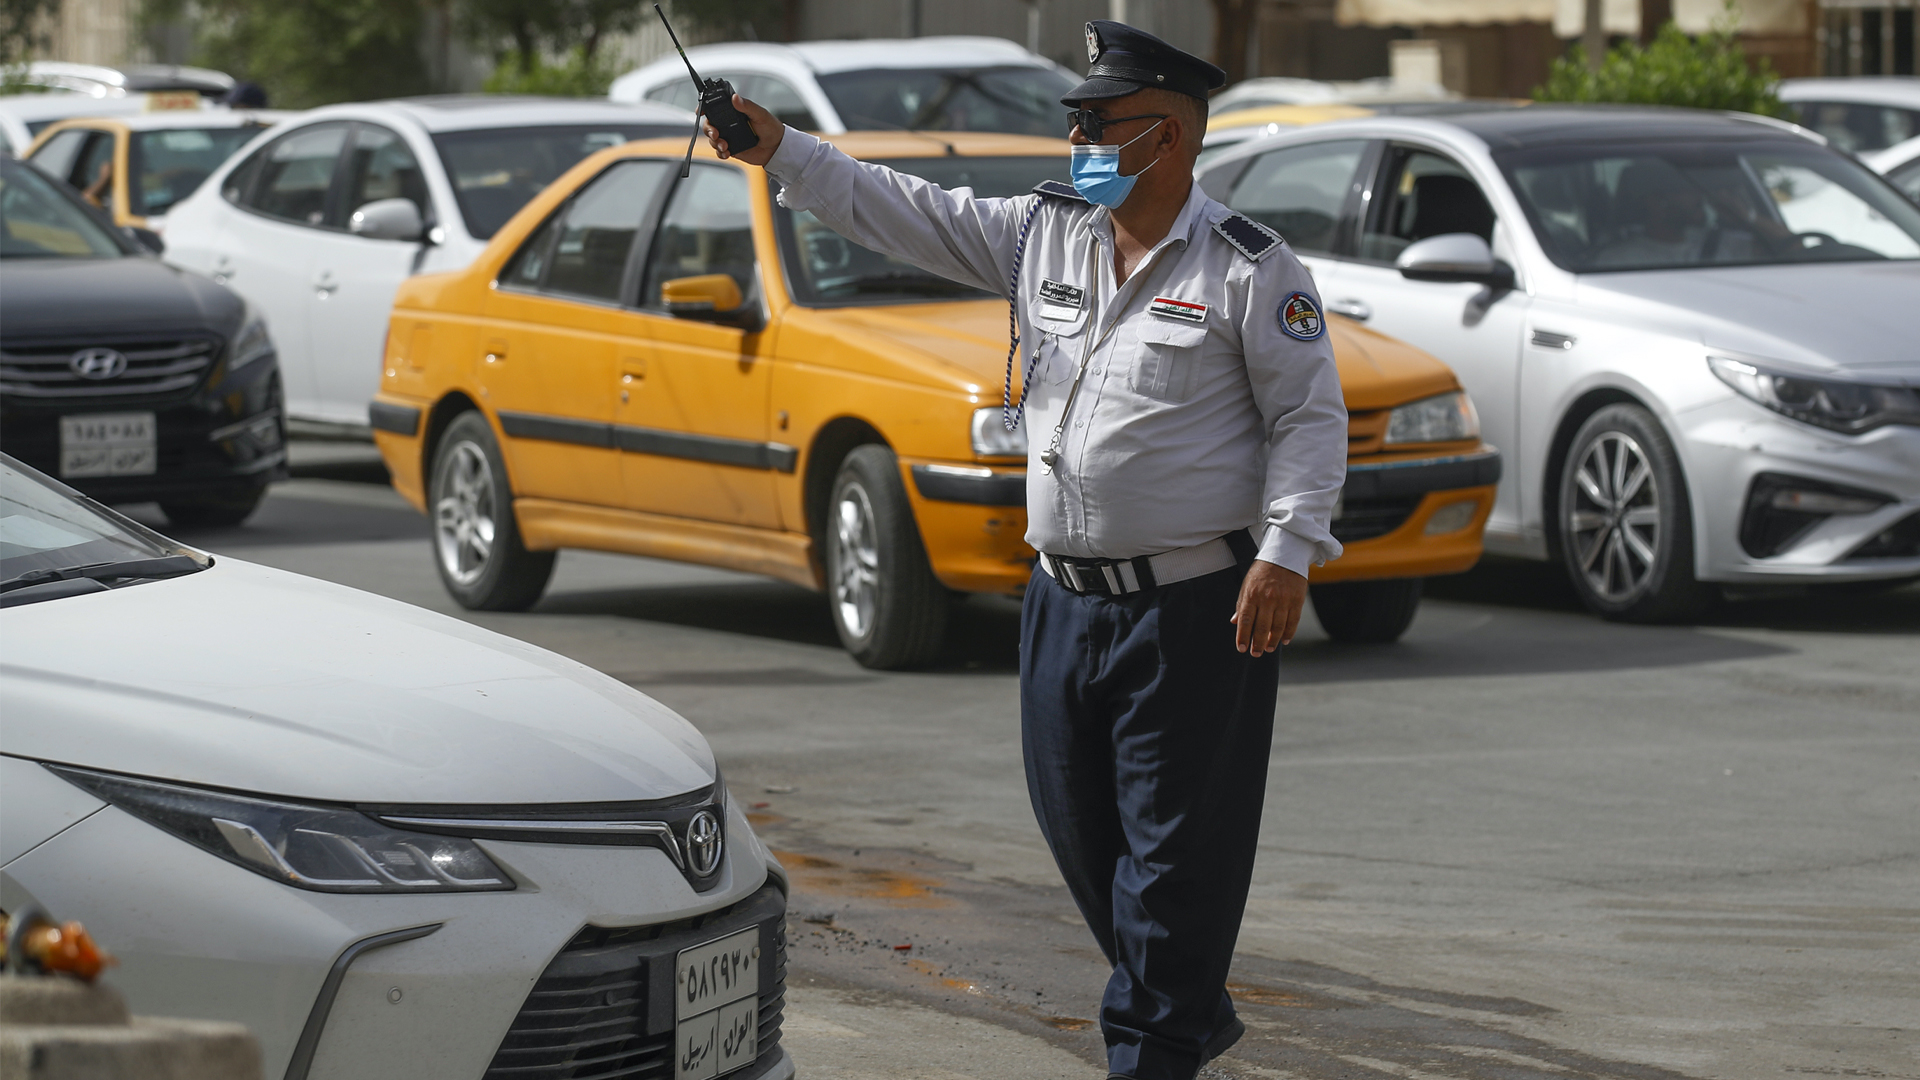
[
  {"x": 107, "y": 444},
  {"x": 716, "y": 1006}
]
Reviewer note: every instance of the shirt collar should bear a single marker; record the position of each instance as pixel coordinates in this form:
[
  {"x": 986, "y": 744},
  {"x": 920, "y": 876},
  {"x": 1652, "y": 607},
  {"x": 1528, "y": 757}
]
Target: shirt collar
[{"x": 1192, "y": 213}]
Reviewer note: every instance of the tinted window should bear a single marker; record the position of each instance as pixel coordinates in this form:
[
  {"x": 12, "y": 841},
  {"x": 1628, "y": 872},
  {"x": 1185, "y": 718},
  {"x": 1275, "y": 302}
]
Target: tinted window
[
  {"x": 1859, "y": 128},
  {"x": 296, "y": 173},
  {"x": 1300, "y": 192},
  {"x": 383, "y": 167},
  {"x": 584, "y": 248},
  {"x": 707, "y": 229},
  {"x": 1421, "y": 195},
  {"x": 825, "y": 268},
  {"x": 60, "y": 152},
  {"x": 38, "y": 221},
  {"x": 497, "y": 171},
  {"x": 776, "y": 97},
  {"x": 679, "y": 93},
  {"x": 1022, "y": 100},
  {"x": 168, "y": 165},
  {"x": 1640, "y": 208}
]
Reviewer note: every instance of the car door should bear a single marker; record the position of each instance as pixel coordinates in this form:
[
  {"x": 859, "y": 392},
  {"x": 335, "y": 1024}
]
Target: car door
[
  {"x": 694, "y": 421},
  {"x": 263, "y": 244},
  {"x": 351, "y": 279},
  {"x": 1418, "y": 192},
  {"x": 559, "y": 337}
]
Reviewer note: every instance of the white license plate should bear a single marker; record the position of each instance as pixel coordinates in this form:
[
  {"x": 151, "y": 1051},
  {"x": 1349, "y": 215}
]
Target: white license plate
[
  {"x": 107, "y": 444},
  {"x": 716, "y": 1006}
]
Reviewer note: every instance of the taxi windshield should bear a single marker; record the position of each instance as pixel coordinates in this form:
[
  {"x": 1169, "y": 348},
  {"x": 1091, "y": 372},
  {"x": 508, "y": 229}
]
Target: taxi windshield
[
  {"x": 1653, "y": 207},
  {"x": 1017, "y": 100},
  {"x": 167, "y": 165},
  {"x": 496, "y": 171},
  {"x": 39, "y": 222},
  {"x": 828, "y": 270}
]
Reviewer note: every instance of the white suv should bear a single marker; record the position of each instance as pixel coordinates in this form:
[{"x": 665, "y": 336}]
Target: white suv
[
  {"x": 319, "y": 220},
  {"x": 936, "y": 83}
]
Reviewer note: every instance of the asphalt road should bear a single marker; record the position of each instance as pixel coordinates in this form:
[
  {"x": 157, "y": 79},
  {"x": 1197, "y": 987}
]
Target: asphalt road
[{"x": 1521, "y": 843}]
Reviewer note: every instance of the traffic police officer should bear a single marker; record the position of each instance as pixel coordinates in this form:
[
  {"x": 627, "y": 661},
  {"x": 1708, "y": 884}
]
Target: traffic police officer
[{"x": 1187, "y": 440}]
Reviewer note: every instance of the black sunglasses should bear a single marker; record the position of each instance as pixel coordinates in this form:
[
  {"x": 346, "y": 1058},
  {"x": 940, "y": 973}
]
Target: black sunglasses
[{"x": 1093, "y": 127}]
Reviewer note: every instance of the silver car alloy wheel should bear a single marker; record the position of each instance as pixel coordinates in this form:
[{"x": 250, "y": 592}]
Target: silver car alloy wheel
[
  {"x": 856, "y": 569},
  {"x": 463, "y": 519},
  {"x": 1613, "y": 520}
]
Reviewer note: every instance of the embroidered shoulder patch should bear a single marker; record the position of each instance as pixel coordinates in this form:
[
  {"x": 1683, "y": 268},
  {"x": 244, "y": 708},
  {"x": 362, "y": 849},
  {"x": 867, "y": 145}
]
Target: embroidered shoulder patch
[
  {"x": 1059, "y": 189},
  {"x": 1248, "y": 237},
  {"x": 1300, "y": 317},
  {"x": 1184, "y": 310}
]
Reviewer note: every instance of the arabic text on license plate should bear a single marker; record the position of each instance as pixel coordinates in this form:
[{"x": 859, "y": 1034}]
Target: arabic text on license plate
[
  {"x": 716, "y": 1006},
  {"x": 107, "y": 444}
]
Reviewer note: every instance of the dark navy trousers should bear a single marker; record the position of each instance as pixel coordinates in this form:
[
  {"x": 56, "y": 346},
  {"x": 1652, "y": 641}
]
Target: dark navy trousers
[{"x": 1146, "y": 736}]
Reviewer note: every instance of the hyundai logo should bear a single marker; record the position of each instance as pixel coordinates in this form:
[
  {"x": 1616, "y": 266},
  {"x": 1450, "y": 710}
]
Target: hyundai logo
[
  {"x": 97, "y": 363},
  {"x": 703, "y": 843}
]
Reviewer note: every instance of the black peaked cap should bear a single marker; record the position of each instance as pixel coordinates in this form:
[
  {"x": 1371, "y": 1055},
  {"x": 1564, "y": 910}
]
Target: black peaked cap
[{"x": 1125, "y": 60}]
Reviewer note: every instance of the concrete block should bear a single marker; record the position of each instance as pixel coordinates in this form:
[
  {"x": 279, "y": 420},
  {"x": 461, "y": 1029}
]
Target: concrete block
[{"x": 55, "y": 1028}]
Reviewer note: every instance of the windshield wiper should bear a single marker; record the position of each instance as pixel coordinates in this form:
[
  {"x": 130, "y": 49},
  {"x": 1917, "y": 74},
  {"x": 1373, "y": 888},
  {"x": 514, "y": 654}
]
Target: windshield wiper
[{"x": 163, "y": 567}]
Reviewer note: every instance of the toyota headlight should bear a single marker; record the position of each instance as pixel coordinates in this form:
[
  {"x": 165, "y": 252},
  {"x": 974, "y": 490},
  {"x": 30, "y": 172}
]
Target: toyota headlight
[
  {"x": 323, "y": 848},
  {"x": 991, "y": 437},
  {"x": 1847, "y": 407},
  {"x": 1442, "y": 418},
  {"x": 252, "y": 342}
]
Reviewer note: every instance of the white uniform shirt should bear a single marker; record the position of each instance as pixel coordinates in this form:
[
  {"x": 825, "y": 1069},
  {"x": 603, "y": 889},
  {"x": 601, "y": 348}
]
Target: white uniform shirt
[{"x": 1200, "y": 412}]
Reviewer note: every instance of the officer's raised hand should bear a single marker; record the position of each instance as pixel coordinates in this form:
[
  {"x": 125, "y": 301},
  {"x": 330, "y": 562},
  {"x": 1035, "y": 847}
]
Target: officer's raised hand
[{"x": 769, "y": 129}]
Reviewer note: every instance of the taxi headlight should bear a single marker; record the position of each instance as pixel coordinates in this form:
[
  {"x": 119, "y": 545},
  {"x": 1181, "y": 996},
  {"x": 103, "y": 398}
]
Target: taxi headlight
[
  {"x": 1442, "y": 418},
  {"x": 252, "y": 342},
  {"x": 1847, "y": 407},
  {"x": 323, "y": 848},
  {"x": 991, "y": 437}
]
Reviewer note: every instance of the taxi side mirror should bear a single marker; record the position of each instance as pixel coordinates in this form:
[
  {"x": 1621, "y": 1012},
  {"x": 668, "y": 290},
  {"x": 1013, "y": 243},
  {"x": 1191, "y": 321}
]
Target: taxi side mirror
[{"x": 714, "y": 297}]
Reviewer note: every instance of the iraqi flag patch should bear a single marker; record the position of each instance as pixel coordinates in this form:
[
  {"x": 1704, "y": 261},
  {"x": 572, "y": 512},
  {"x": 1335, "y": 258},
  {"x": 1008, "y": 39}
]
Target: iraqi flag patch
[
  {"x": 1184, "y": 310},
  {"x": 1300, "y": 317}
]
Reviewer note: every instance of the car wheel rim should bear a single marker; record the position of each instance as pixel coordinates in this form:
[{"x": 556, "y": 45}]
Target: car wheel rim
[
  {"x": 856, "y": 569},
  {"x": 464, "y": 515},
  {"x": 1613, "y": 517}
]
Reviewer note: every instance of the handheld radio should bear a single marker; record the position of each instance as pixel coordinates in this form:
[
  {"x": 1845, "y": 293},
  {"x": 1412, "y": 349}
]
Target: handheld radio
[{"x": 716, "y": 101}]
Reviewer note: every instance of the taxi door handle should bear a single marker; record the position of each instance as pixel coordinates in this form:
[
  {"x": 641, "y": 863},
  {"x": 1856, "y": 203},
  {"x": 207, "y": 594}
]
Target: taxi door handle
[
  {"x": 496, "y": 351},
  {"x": 633, "y": 371},
  {"x": 1352, "y": 309}
]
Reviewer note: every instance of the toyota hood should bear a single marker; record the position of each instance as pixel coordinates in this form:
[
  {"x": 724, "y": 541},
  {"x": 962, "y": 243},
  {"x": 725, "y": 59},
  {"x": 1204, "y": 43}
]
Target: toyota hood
[
  {"x": 257, "y": 680},
  {"x": 1845, "y": 318}
]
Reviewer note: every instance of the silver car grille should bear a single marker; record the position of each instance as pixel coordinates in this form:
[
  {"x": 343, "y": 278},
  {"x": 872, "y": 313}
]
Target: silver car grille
[{"x": 153, "y": 368}]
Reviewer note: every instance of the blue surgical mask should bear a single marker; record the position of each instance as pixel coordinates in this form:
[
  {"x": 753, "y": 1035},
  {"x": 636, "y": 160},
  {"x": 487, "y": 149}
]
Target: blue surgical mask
[{"x": 1096, "y": 171}]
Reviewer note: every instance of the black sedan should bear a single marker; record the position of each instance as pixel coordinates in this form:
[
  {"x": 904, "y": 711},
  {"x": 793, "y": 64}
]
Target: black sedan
[{"x": 129, "y": 379}]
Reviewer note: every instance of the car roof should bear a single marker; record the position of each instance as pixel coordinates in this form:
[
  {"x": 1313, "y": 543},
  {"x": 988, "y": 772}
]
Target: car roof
[
  {"x": 828, "y": 57},
  {"x": 469, "y": 112},
  {"x": 63, "y": 106},
  {"x": 1286, "y": 116},
  {"x": 192, "y": 118},
  {"x": 872, "y": 145},
  {"x": 1898, "y": 90},
  {"x": 1554, "y": 125},
  {"x": 128, "y": 78}
]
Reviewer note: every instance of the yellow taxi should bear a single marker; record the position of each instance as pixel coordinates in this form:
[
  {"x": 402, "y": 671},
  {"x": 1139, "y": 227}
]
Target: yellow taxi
[
  {"x": 682, "y": 368},
  {"x": 136, "y": 167}
]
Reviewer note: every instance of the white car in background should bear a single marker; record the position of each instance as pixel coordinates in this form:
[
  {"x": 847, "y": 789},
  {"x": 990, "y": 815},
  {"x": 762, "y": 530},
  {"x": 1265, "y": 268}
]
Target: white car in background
[
  {"x": 392, "y": 844},
  {"x": 1899, "y": 163},
  {"x": 832, "y": 87},
  {"x": 1691, "y": 334},
  {"x": 1267, "y": 91},
  {"x": 319, "y": 220},
  {"x": 24, "y": 116},
  {"x": 73, "y": 90},
  {"x": 1858, "y": 115}
]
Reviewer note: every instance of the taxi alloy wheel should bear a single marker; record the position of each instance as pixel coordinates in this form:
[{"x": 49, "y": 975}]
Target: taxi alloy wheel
[
  {"x": 1626, "y": 532},
  {"x": 476, "y": 544},
  {"x": 889, "y": 609}
]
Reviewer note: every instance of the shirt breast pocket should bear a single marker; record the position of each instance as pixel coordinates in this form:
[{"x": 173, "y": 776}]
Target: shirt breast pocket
[
  {"x": 1059, "y": 347},
  {"x": 1168, "y": 358}
]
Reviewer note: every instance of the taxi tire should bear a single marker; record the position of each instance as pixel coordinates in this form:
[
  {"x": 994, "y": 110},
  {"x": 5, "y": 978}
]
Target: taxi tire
[
  {"x": 213, "y": 512},
  {"x": 511, "y": 578},
  {"x": 1366, "y": 612},
  {"x": 909, "y": 606}
]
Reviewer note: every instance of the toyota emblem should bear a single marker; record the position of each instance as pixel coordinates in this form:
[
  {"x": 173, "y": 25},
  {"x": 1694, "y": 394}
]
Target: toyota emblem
[
  {"x": 703, "y": 843},
  {"x": 97, "y": 363}
]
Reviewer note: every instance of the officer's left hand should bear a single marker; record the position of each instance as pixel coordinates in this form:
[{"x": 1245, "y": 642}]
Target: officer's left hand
[{"x": 1271, "y": 598}]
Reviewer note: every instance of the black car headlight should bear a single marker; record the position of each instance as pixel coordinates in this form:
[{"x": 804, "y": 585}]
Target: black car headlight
[
  {"x": 323, "y": 848},
  {"x": 1850, "y": 408},
  {"x": 252, "y": 342}
]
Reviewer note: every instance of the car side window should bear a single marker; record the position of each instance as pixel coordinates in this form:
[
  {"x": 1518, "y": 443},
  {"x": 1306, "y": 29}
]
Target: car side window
[
  {"x": 707, "y": 229},
  {"x": 382, "y": 166},
  {"x": 56, "y": 158},
  {"x": 1301, "y": 192},
  {"x": 678, "y": 93},
  {"x": 295, "y": 174},
  {"x": 777, "y": 97},
  {"x": 585, "y": 247},
  {"x": 1422, "y": 194},
  {"x": 97, "y": 157},
  {"x": 1907, "y": 179},
  {"x": 1859, "y": 128}
]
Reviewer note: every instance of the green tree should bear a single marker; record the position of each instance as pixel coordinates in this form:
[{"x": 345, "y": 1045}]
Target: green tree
[
  {"x": 21, "y": 23},
  {"x": 1708, "y": 72},
  {"x": 732, "y": 20},
  {"x": 309, "y": 52},
  {"x": 579, "y": 75},
  {"x": 527, "y": 32}
]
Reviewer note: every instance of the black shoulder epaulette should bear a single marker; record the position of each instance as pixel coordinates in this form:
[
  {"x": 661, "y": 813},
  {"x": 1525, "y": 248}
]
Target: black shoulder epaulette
[
  {"x": 1059, "y": 189},
  {"x": 1248, "y": 237}
]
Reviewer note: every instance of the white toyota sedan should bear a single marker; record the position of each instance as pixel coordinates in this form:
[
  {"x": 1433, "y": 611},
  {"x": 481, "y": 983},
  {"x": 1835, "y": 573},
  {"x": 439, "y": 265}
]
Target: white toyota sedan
[
  {"x": 1692, "y": 334},
  {"x": 319, "y": 220},
  {"x": 390, "y": 843}
]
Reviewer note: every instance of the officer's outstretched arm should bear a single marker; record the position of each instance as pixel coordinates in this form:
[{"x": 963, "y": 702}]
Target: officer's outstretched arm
[{"x": 769, "y": 129}]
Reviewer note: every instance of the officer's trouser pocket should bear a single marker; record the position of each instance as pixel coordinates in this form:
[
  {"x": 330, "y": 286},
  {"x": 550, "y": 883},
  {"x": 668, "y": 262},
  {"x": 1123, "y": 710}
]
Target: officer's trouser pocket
[{"x": 1169, "y": 356}]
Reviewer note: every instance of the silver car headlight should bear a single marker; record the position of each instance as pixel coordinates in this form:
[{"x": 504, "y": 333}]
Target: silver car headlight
[
  {"x": 252, "y": 342},
  {"x": 991, "y": 437},
  {"x": 323, "y": 848},
  {"x": 1441, "y": 418},
  {"x": 1850, "y": 408}
]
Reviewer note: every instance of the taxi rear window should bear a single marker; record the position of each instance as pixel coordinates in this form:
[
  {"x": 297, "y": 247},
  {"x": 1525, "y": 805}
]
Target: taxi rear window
[{"x": 496, "y": 171}]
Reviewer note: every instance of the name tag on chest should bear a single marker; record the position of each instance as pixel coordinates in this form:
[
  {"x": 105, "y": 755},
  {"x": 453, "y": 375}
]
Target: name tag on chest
[
  {"x": 1184, "y": 310},
  {"x": 1059, "y": 300}
]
